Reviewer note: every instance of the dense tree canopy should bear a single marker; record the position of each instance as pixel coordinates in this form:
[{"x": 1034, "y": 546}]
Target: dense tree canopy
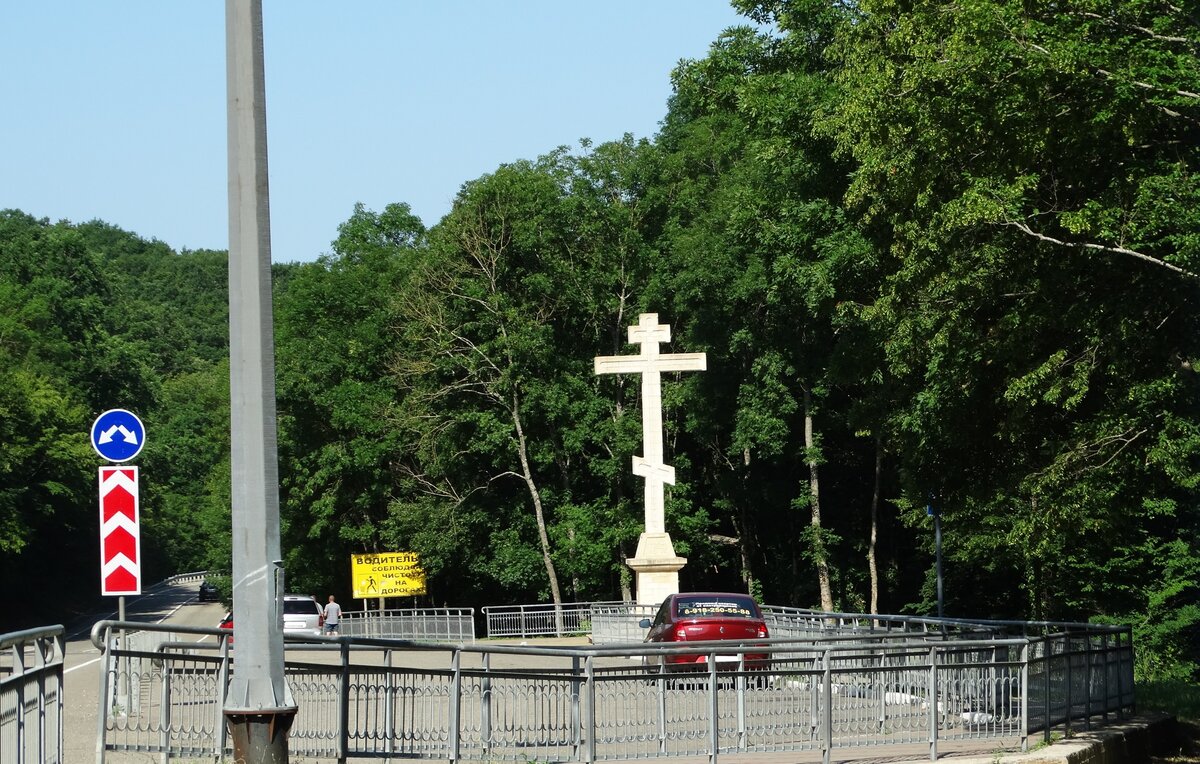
[{"x": 938, "y": 254}]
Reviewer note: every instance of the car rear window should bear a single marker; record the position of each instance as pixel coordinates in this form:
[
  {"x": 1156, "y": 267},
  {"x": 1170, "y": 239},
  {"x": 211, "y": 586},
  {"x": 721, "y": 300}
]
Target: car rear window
[
  {"x": 300, "y": 607},
  {"x": 722, "y": 607}
]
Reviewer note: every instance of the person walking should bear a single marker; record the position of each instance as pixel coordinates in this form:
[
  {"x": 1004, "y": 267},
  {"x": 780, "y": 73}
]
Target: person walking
[{"x": 333, "y": 616}]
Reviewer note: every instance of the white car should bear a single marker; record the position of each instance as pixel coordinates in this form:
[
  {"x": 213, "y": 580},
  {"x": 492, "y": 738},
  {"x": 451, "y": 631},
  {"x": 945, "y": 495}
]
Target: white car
[{"x": 301, "y": 614}]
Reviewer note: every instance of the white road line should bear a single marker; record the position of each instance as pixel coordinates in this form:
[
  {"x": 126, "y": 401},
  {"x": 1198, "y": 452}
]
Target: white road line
[
  {"x": 82, "y": 665},
  {"x": 97, "y": 660}
]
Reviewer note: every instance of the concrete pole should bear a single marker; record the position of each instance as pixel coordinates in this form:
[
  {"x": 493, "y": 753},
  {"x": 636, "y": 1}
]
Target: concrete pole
[{"x": 258, "y": 705}]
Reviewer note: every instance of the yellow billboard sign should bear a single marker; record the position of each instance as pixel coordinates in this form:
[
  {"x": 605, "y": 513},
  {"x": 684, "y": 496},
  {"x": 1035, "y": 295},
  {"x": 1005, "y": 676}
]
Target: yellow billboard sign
[{"x": 387, "y": 574}]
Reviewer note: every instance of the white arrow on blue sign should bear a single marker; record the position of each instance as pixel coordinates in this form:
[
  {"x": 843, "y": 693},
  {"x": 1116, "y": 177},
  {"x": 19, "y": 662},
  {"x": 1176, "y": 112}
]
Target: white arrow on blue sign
[{"x": 118, "y": 435}]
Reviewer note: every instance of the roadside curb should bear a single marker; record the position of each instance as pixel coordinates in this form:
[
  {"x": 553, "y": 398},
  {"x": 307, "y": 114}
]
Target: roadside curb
[{"x": 1135, "y": 739}]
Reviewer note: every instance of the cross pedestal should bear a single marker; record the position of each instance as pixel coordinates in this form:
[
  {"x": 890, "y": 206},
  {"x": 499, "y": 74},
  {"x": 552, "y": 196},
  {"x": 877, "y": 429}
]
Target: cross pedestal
[
  {"x": 656, "y": 564},
  {"x": 657, "y": 568}
]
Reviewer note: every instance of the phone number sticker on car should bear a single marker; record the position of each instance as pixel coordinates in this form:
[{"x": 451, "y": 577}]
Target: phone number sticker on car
[{"x": 714, "y": 608}]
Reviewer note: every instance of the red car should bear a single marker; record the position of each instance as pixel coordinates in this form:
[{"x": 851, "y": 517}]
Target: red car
[
  {"x": 703, "y": 616},
  {"x": 227, "y": 623}
]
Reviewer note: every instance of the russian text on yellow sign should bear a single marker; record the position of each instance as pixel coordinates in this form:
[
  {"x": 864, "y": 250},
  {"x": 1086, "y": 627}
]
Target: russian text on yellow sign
[{"x": 387, "y": 574}]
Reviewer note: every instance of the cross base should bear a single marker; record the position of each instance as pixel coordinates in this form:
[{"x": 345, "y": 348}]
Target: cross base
[{"x": 657, "y": 568}]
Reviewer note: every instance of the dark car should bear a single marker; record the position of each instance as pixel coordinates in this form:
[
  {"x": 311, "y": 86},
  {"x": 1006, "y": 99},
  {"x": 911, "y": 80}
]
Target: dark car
[
  {"x": 209, "y": 592},
  {"x": 704, "y": 616}
]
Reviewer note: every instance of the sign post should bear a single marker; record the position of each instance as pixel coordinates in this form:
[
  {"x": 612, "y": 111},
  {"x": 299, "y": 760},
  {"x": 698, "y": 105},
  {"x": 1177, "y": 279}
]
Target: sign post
[{"x": 118, "y": 436}]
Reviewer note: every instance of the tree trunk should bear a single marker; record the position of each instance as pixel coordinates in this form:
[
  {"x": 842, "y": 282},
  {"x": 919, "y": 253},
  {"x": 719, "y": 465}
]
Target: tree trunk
[
  {"x": 624, "y": 576},
  {"x": 814, "y": 487},
  {"x": 574, "y": 566},
  {"x": 536, "y": 495},
  {"x": 871, "y": 561}
]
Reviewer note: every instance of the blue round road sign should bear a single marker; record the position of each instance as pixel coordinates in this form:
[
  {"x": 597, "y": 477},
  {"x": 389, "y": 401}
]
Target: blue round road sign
[{"x": 118, "y": 435}]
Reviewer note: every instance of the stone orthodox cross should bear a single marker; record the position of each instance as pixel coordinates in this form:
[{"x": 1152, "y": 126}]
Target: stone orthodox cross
[{"x": 655, "y": 545}]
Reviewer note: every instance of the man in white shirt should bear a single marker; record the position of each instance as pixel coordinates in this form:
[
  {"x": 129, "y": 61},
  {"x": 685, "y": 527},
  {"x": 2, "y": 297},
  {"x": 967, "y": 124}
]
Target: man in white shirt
[{"x": 333, "y": 616}]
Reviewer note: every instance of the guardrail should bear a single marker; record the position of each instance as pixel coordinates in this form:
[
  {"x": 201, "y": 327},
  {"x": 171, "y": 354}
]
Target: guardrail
[
  {"x": 31, "y": 696},
  {"x": 421, "y": 624},
  {"x": 541, "y": 620},
  {"x": 567, "y": 704},
  {"x": 619, "y": 622}
]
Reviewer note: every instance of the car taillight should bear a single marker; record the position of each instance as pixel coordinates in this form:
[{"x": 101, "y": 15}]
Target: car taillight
[
  {"x": 680, "y": 634},
  {"x": 762, "y": 632}
]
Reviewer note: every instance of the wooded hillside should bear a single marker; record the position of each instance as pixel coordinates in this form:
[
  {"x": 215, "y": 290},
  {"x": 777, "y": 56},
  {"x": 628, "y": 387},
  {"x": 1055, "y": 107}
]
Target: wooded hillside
[{"x": 937, "y": 255}]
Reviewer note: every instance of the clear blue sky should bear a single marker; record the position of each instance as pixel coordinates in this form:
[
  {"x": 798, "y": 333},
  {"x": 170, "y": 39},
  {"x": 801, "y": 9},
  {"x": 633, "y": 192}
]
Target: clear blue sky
[{"x": 116, "y": 110}]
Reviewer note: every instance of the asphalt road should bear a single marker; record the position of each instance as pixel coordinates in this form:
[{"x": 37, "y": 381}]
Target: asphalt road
[{"x": 81, "y": 672}]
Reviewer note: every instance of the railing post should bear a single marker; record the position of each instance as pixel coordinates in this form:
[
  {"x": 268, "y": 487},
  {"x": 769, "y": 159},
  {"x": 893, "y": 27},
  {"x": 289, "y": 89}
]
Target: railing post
[
  {"x": 61, "y": 647},
  {"x": 741, "y": 702},
  {"x": 455, "y": 704},
  {"x": 1047, "y": 651},
  {"x": 827, "y": 710},
  {"x": 589, "y": 708},
  {"x": 1087, "y": 680},
  {"x": 164, "y": 709},
  {"x": 222, "y": 731},
  {"x": 1121, "y": 673},
  {"x": 343, "y": 744},
  {"x": 1104, "y": 673},
  {"x": 19, "y": 668},
  {"x": 1025, "y": 696},
  {"x": 40, "y": 659},
  {"x": 661, "y": 683},
  {"x": 932, "y": 694},
  {"x": 1070, "y": 693},
  {"x": 389, "y": 712},
  {"x": 576, "y": 721},
  {"x": 815, "y": 732},
  {"x": 713, "y": 711},
  {"x": 485, "y": 704},
  {"x": 105, "y": 704}
]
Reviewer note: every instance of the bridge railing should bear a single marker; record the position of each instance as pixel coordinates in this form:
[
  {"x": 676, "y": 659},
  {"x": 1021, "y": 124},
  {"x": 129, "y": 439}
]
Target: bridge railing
[
  {"x": 541, "y": 620},
  {"x": 619, "y": 622},
  {"x": 421, "y": 624},
  {"x": 31, "y": 696},
  {"x": 496, "y": 702}
]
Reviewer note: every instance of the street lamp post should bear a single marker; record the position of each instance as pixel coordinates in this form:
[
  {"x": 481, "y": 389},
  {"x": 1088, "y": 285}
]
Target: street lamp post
[{"x": 258, "y": 703}]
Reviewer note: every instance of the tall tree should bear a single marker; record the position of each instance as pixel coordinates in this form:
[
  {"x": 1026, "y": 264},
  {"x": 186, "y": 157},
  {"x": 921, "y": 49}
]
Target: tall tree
[
  {"x": 334, "y": 333},
  {"x": 1036, "y": 166},
  {"x": 754, "y": 215}
]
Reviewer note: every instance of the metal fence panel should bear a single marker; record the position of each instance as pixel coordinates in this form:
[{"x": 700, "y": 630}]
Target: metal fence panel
[
  {"x": 420, "y": 624},
  {"x": 515, "y": 703},
  {"x": 31, "y": 697},
  {"x": 541, "y": 620}
]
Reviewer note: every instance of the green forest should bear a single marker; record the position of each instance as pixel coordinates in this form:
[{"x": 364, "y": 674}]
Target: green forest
[{"x": 941, "y": 257}]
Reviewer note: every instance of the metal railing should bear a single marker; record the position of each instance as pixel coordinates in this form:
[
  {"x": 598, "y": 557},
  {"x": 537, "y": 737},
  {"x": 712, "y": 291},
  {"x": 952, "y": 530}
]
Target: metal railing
[
  {"x": 541, "y": 620},
  {"x": 588, "y": 703},
  {"x": 31, "y": 696},
  {"x": 619, "y": 622},
  {"x": 421, "y": 624}
]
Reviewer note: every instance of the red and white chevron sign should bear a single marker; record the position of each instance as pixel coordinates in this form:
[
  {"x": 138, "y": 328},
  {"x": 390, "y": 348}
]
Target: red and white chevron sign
[{"x": 120, "y": 539}]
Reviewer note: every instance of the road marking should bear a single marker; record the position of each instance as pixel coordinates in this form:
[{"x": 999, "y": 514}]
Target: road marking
[{"x": 81, "y": 665}]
